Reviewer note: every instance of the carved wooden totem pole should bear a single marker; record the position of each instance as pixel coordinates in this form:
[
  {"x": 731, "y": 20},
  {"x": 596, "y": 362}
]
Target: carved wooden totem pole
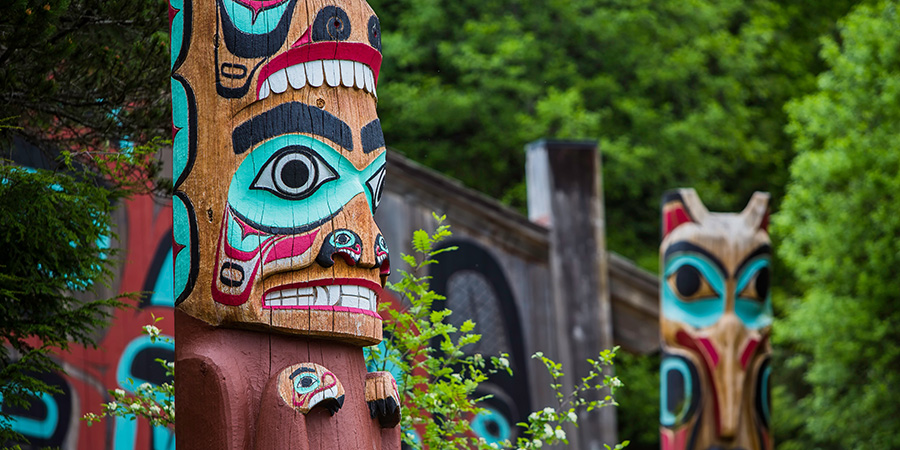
[
  {"x": 279, "y": 161},
  {"x": 715, "y": 317}
]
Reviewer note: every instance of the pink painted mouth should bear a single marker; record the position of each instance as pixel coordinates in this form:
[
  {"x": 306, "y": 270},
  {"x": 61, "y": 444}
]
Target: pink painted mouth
[
  {"x": 338, "y": 51},
  {"x": 353, "y": 295}
]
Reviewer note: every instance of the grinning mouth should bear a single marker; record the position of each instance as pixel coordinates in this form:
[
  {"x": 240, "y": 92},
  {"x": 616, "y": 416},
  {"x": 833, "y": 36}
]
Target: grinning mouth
[
  {"x": 351, "y": 64},
  {"x": 335, "y": 297}
]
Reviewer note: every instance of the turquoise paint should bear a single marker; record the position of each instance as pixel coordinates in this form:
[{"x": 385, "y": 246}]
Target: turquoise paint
[
  {"x": 177, "y": 31},
  {"x": 481, "y": 421},
  {"x": 126, "y": 429},
  {"x": 265, "y": 208},
  {"x": 236, "y": 239},
  {"x": 764, "y": 393},
  {"x": 697, "y": 313},
  {"x": 181, "y": 232},
  {"x": 666, "y": 416},
  {"x": 377, "y": 360},
  {"x": 180, "y": 142},
  {"x": 37, "y": 429},
  {"x": 265, "y": 22},
  {"x": 163, "y": 292},
  {"x": 753, "y": 313}
]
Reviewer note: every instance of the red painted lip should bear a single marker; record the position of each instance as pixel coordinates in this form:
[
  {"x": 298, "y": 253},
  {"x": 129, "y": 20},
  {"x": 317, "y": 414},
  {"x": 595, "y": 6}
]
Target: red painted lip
[{"x": 348, "y": 51}]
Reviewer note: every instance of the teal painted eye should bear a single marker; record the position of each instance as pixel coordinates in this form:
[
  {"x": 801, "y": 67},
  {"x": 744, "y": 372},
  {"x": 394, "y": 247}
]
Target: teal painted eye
[
  {"x": 294, "y": 173},
  {"x": 754, "y": 298},
  {"x": 306, "y": 383},
  {"x": 375, "y": 185},
  {"x": 492, "y": 426},
  {"x": 692, "y": 291}
]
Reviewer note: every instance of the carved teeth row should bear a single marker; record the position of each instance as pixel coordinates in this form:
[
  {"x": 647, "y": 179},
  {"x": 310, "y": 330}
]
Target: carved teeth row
[
  {"x": 333, "y": 72},
  {"x": 349, "y": 296}
]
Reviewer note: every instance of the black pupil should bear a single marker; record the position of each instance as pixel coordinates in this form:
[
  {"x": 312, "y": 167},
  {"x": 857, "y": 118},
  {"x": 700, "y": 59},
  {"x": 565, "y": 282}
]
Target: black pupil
[
  {"x": 762, "y": 283},
  {"x": 675, "y": 391},
  {"x": 306, "y": 382},
  {"x": 493, "y": 428},
  {"x": 295, "y": 174},
  {"x": 337, "y": 23},
  {"x": 687, "y": 280},
  {"x": 343, "y": 239}
]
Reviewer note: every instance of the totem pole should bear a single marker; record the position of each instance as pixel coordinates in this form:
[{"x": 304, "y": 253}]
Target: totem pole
[
  {"x": 715, "y": 318},
  {"x": 279, "y": 161}
]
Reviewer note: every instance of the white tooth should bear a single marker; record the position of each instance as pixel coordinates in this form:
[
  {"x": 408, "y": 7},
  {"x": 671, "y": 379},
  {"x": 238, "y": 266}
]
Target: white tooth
[
  {"x": 306, "y": 291},
  {"x": 278, "y": 81},
  {"x": 332, "y": 72},
  {"x": 288, "y": 292},
  {"x": 350, "y": 289},
  {"x": 359, "y": 74},
  {"x": 264, "y": 90},
  {"x": 334, "y": 295},
  {"x": 322, "y": 296},
  {"x": 306, "y": 300},
  {"x": 273, "y": 301},
  {"x": 297, "y": 76},
  {"x": 346, "y": 73},
  {"x": 289, "y": 301},
  {"x": 350, "y": 301},
  {"x": 315, "y": 73},
  {"x": 370, "y": 81},
  {"x": 364, "y": 304}
]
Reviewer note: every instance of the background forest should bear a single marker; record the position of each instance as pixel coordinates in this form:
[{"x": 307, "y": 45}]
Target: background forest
[{"x": 799, "y": 98}]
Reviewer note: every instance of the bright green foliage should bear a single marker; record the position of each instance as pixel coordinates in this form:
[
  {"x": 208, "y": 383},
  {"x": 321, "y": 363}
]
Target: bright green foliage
[
  {"x": 438, "y": 379},
  {"x": 77, "y": 73},
  {"x": 50, "y": 227},
  {"x": 678, "y": 93},
  {"x": 638, "y": 415},
  {"x": 156, "y": 403},
  {"x": 840, "y": 227}
]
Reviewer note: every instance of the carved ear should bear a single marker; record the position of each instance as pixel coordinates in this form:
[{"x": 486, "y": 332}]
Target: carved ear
[
  {"x": 756, "y": 214},
  {"x": 681, "y": 206}
]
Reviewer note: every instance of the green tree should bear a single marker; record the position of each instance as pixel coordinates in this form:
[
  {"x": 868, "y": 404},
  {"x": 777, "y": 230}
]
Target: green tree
[{"x": 839, "y": 228}]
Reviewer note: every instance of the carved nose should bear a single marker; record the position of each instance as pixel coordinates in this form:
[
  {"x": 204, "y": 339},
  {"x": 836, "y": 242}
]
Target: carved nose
[{"x": 728, "y": 338}]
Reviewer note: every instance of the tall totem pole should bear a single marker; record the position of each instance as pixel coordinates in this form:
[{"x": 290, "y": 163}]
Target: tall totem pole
[
  {"x": 715, "y": 318},
  {"x": 279, "y": 161}
]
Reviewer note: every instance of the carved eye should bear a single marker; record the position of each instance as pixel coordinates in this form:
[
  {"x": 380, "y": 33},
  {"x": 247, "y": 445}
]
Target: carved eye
[
  {"x": 375, "y": 32},
  {"x": 331, "y": 24},
  {"x": 689, "y": 284},
  {"x": 294, "y": 173},
  {"x": 306, "y": 382},
  {"x": 375, "y": 185},
  {"x": 758, "y": 288}
]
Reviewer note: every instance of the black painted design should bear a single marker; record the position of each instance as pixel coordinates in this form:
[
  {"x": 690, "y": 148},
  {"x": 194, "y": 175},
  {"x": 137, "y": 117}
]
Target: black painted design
[
  {"x": 284, "y": 230},
  {"x": 331, "y": 24},
  {"x": 341, "y": 242},
  {"x": 687, "y": 247},
  {"x": 375, "y": 32},
  {"x": 192, "y": 129},
  {"x": 677, "y": 393},
  {"x": 38, "y": 411},
  {"x": 236, "y": 92},
  {"x": 233, "y": 71},
  {"x": 688, "y": 281},
  {"x": 194, "y": 249},
  {"x": 247, "y": 45},
  {"x": 294, "y": 173},
  {"x": 187, "y": 20},
  {"x": 293, "y": 117},
  {"x": 229, "y": 281},
  {"x": 763, "y": 401},
  {"x": 372, "y": 136}
]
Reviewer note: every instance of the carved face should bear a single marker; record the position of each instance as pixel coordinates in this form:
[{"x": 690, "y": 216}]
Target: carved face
[
  {"x": 716, "y": 316},
  {"x": 303, "y": 386},
  {"x": 286, "y": 167}
]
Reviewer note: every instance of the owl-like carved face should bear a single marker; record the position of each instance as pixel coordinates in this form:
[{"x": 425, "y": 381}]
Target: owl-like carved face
[
  {"x": 280, "y": 163},
  {"x": 716, "y": 316}
]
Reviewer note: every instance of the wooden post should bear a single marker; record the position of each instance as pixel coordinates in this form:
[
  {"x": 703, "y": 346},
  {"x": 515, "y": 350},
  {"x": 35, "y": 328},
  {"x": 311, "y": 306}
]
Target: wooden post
[
  {"x": 715, "y": 319},
  {"x": 278, "y": 167},
  {"x": 565, "y": 193}
]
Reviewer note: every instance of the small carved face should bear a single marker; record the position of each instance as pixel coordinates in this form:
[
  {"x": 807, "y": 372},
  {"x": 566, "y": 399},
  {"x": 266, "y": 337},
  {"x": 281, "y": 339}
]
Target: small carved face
[
  {"x": 288, "y": 166},
  {"x": 716, "y": 316},
  {"x": 303, "y": 386}
]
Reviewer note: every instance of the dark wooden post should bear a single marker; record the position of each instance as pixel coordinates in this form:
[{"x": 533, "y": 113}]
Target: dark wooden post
[
  {"x": 565, "y": 193},
  {"x": 278, "y": 167},
  {"x": 715, "y": 318}
]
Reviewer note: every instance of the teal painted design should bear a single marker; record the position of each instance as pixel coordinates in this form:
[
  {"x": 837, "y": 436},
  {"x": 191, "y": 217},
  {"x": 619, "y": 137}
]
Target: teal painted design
[
  {"x": 180, "y": 123},
  {"x": 764, "y": 393},
  {"x": 492, "y": 426},
  {"x": 377, "y": 360},
  {"x": 126, "y": 429},
  {"x": 176, "y": 30},
  {"x": 669, "y": 415},
  {"x": 754, "y": 313},
  {"x": 698, "y": 313},
  {"x": 37, "y": 429},
  {"x": 184, "y": 237},
  {"x": 331, "y": 182},
  {"x": 236, "y": 238},
  {"x": 163, "y": 292},
  {"x": 248, "y": 21}
]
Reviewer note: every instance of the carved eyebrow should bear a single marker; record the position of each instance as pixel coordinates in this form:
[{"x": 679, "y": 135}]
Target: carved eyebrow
[
  {"x": 764, "y": 249},
  {"x": 292, "y": 117},
  {"x": 688, "y": 247},
  {"x": 301, "y": 370},
  {"x": 372, "y": 136}
]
